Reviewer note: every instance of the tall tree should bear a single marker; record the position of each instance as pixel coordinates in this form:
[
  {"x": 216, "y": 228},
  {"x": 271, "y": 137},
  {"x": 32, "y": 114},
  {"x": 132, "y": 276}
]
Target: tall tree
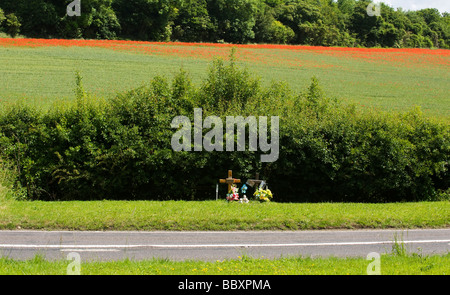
[
  {"x": 146, "y": 19},
  {"x": 2, "y": 17},
  {"x": 234, "y": 19},
  {"x": 192, "y": 22}
]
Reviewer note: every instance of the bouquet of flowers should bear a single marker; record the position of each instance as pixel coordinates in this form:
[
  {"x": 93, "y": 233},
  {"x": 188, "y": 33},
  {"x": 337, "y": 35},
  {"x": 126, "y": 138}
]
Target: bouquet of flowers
[
  {"x": 263, "y": 195},
  {"x": 233, "y": 194},
  {"x": 244, "y": 190}
]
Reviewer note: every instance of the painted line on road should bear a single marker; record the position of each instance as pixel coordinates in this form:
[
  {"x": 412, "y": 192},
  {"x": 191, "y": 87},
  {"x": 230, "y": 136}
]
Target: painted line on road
[
  {"x": 115, "y": 247},
  {"x": 89, "y": 250}
]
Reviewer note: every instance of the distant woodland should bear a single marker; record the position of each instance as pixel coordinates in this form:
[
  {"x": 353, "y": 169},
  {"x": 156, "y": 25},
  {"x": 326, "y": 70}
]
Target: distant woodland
[{"x": 308, "y": 22}]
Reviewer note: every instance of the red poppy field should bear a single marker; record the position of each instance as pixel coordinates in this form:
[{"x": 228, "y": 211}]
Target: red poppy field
[{"x": 40, "y": 71}]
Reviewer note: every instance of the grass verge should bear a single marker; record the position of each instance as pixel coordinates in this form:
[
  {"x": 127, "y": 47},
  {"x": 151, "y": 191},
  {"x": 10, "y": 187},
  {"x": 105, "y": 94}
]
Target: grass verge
[
  {"x": 413, "y": 264},
  {"x": 219, "y": 215}
]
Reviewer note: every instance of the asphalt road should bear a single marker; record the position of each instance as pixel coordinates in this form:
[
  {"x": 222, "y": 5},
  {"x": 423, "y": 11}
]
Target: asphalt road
[{"x": 114, "y": 245}]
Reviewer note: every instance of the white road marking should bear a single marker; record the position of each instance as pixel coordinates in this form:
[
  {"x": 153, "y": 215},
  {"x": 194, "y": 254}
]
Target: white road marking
[
  {"x": 89, "y": 250},
  {"x": 111, "y": 247}
]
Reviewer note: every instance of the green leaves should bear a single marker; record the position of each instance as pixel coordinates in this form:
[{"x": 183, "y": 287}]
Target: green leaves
[
  {"x": 12, "y": 25},
  {"x": 311, "y": 22},
  {"x": 227, "y": 86},
  {"x": 121, "y": 148}
]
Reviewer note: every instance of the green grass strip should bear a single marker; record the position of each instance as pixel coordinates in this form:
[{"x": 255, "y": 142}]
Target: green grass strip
[
  {"x": 219, "y": 215},
  {"x": 414, "y": 264}
]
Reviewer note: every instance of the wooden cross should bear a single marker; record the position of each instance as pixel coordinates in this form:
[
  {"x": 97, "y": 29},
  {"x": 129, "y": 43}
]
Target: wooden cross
[
  {"x": 256, "y": 181},
  {"x": 230, "y": 180}
]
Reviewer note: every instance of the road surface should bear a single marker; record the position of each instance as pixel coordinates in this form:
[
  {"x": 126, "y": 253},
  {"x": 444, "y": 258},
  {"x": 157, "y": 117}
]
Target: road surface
[{"x": 211, "y": 246}]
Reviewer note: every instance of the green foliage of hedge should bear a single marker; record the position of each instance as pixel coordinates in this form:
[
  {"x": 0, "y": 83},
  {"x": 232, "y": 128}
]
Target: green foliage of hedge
[{"x": 121, "y": 148}]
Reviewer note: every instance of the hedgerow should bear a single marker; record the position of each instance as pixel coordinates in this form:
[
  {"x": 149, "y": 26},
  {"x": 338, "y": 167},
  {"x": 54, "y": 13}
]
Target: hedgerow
[{"x": 121, "y": 148}]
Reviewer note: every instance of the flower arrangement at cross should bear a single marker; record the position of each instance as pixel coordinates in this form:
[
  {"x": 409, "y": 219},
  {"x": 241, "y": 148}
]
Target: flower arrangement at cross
[
  {"x": 263, "y": 195},
  {"x": 244, "y": 190},
  {"x": 233, "y": 194}
]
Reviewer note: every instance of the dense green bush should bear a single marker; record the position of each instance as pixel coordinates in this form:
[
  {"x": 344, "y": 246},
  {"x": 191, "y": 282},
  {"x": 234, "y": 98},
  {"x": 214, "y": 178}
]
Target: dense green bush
[
  {"x": 346, "y": 156},
  {"x": 121, "y": 148}
]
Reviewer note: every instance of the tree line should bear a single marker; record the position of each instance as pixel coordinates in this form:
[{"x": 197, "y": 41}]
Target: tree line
[{"x": 306, "y": 22}]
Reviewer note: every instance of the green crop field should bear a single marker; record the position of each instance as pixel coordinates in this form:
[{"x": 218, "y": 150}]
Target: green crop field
[{"x": 386, "y": 79}]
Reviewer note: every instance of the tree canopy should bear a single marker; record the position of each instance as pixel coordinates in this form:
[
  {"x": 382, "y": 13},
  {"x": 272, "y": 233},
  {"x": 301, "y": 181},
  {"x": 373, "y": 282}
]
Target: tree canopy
[{"x": 308, "y": 22}]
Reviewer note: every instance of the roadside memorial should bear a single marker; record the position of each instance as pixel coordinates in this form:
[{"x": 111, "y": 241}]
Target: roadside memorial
[
  {"x": 261, "y": 190},
  {"x": 230, "y": 180}
]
